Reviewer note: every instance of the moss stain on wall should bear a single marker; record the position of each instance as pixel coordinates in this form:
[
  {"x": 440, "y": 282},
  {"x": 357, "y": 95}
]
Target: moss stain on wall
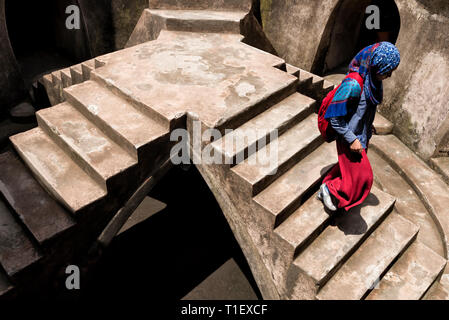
[{"x": 265, "y": 11}]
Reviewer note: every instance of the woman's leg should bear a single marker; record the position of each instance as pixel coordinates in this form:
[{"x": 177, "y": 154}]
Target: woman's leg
[{"x": 350, "y": 181}]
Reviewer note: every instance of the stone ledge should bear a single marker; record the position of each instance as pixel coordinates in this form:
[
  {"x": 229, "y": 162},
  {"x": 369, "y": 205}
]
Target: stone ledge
[{"x": 441, "y": 165}]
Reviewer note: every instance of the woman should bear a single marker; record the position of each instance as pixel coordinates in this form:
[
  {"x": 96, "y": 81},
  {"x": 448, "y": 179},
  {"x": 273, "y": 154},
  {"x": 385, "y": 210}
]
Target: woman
[{"x": 351, "y": 114}]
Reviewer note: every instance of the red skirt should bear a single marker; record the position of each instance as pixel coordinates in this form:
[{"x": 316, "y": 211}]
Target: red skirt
[{"x": 351, "y": 179}]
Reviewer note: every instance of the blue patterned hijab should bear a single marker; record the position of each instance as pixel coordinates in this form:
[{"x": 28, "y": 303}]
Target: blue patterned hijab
[{"x": 379, "y": 58}]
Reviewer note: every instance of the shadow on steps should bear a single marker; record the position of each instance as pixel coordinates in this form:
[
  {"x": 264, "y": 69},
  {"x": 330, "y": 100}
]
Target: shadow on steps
[{"x": 169, "y": 254}]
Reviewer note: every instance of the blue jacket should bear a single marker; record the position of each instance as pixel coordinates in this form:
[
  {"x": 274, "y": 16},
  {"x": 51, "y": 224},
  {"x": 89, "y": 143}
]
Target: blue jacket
[{"x": 356, "y": 124}]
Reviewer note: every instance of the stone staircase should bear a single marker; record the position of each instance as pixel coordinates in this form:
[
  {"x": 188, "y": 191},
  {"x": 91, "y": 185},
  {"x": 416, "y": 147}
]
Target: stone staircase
[
  {"x": 110, "y": 128},
  {"x": 55, "y": 82},
  {"x": 87, "y": 155},
  {"x": 308, "y": 253}
]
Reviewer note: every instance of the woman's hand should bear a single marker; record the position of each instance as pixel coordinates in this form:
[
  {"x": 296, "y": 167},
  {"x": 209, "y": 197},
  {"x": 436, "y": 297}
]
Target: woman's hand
[{"x": 356, "y": 146}]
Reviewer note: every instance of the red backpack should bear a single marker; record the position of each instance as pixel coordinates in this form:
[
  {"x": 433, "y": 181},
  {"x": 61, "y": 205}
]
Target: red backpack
[{"x": 327, "y": 132}]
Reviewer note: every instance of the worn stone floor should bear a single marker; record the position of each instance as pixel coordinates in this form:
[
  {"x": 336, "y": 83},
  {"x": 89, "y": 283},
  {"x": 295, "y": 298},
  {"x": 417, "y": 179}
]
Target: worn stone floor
[{"x": 213, "y": 75}]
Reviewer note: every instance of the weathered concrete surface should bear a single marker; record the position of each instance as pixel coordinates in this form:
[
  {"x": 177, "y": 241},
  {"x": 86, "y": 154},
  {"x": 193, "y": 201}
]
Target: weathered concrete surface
[
  {"x": 153, "y": 21},
  {"x": 295, "y": 108},
  {"x": 194, "y": 18},
  {"x": 302, "y": 31},
  {"x": 100, "y": 156},
  {"x": 56, "y": 170},
  {"x": 424, "y": 106},
  {"x": 365, "y": 267},
  {"x": 382, "y": 125},
  {"x": 295, "y": 28},
  {"x": 437, "y": 292},
  {"x": 291, "y": 147},
  {"x": 207, "y": 20},
  {"x": 290, "y": 188},
  {"x": 57, "y": 81},
  {"x": 133, "y": 130},
  {"x": 408, "y": 203},
  {"x": 213, "y": 75},
  {"x": 62, "y": 172},
  {"x": 337, "y": 242},
  {"x": 411, "y": 276},
  {"x": 303, "y": 225}
]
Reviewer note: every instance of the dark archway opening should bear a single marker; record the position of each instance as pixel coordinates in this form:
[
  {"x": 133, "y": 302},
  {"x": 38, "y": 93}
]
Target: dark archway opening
[
  {"x": 390, "y": 24},
  {"x": 40, "y": 39},
  {"x": 171, "y": 253},
  {"x": 347, "y": 33}
]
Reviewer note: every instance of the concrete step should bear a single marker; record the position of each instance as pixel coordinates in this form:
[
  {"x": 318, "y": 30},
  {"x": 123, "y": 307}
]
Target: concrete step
[
  {"x": 408, "y": 204},
  {"x": 200, "y": 20},
  {"x": 17, "y": 252},
  {"x": 284, "y": 195},
  {"x": 121, "y": 121},
  {"x": 66, "y": 78},
  {"x": 314, "y": 86},
  {"x": 127, "y": 95},
  {"x": 86, "y": 68},
  {"x": 208, "y": 74},
  {"x": 268, "y": 163},
  {"x": 280, "y": 91},
  {"x": 41, "y": 214},
  {"x": 243, "y": 141},
  {"x": 437, "y": 292},
  {"x": 57, "y": 85},
  {"x": 382, "y": 125},
  {"x": 306, "y": 79},
  {"x": 76, "y": 72},
  {"x": 55, "y": 170},
  {"x": 202, "y": 4},
  {"x": 428, "y": 185},
  {"x": 98, "y": 155},
  {"x": 336, "y": 78},
  {"x": 56, "y": 81},
  {"x": 317, "y": 81},
  {"x": 339, "y": 241},
  {"x": 294, "y": 71},
  {"x": 371, "y": 261},
  {"x": 411, "y": 276},
  {"x": 304, "y": 225},
  {"x": 441, "y": 165}
]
